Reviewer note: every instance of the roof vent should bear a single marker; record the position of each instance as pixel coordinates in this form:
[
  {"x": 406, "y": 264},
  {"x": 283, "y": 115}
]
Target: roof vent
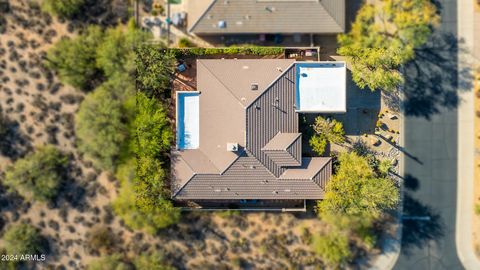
[
  {"x": 270, "y": 9},
  {"x": 222, "y": 24},
  {"x": 279, "y": 69},
  {"x": 232, "y": 147},
  {"x": 254, "y": 86}
]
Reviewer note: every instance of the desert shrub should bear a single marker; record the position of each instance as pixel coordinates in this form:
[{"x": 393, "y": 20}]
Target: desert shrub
[
  {"x": 143, "y": 211},
  {"x": 477, "y": 209},
  {"x": 326, "y": 131},
  {"x": 332, "y": 247},
  {"x": 228, "y": 213},
  {"x": 39, "y": 175},
  {"x": 75, "y": 59},
  {"x": 355, "y": 190},
  {"x": 384, "y": 167},
  {"x": 115, "y": 55},
  {"x": 151, "y": 128},
  {"x": 318, "y": 144},
  {"x": 62, "y": 8},
  {"x": 95, "y": 55},
  {"x": 112, "y": 262},
  {"x": 153, "y": 261},
  {"x": 101, "y": 239},
  {"x": 100, "y": 126},
  {"x": 185, "y": 43},
  {"x": 154, "y": 66},
  {"x": 24, "y": 239}
]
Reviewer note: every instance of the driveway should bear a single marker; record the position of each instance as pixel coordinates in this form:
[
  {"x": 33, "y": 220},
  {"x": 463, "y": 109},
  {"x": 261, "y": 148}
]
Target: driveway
[{"x": 431, "y": 100}]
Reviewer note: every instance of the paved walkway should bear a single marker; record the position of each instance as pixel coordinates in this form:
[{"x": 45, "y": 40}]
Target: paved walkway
[{"x": 466, "y": 143}]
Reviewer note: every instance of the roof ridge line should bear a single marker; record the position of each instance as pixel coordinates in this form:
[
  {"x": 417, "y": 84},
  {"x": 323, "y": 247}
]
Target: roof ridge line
[
  {"x": 203, "y": 15},
  {"x": 253, "y": 101},
  {"x": 294, "y": 159},
  {"x": 321, "y": 169},
  {"x": 268, "y": 86},
  {"x": 226, "y": 87},
  {"x": 331, "y": 16},
  {"x": 193, "y": 171}
]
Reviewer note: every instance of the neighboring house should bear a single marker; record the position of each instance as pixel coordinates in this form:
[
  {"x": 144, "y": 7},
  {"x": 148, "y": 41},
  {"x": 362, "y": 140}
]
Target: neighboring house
[
  {"x": 207, "y": 17},
  {"x": 238, "y": 135}
]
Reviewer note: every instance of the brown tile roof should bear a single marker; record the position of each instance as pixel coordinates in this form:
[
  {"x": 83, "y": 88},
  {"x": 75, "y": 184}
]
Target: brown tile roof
[
  {"x": 309, "y": 168},
  {"x": 281, "y": 141},
  {"x": 247, "y": 178},
  {"x": 231, "y": 112},
  {"x": 259, "y": 16},
  {"x": 285, "y": 149}
]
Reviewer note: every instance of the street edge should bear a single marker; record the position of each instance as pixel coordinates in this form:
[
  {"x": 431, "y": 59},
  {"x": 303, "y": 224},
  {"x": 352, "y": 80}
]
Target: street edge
[{"x": 465, "y": 135}]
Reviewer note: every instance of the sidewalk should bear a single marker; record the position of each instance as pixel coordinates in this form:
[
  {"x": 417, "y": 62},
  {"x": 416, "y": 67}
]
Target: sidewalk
[{"x": 465, "y": 211}]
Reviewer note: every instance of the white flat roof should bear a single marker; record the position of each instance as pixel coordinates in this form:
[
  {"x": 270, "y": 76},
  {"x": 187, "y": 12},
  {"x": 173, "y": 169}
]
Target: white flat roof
[{"x": 321, "y": 87}]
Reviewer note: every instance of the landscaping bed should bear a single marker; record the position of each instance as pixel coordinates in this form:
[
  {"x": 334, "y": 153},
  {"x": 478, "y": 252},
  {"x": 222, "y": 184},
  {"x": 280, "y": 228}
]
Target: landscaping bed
[{"x": 476, "y": 216}]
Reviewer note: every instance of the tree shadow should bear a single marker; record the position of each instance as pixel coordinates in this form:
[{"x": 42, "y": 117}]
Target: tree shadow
[
  {"x": 72, "y": 191},
  {"x": 410, "y": 182},
  {"x": 13, "y": 143},
  {"x": 417, "y": 232},
  {"x": 432, "y": 79}
]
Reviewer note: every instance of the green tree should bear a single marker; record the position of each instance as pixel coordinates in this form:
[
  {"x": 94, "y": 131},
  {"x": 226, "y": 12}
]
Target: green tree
[
  {"x": 326, "y": 130},
  {"x": 384, "y": 167},
  {"x": 144, "y": 210},
  {"x": 112, "y": 262},
  {"x": 332, "y": 247},
  {"x": 155, "y": 67},
  {"x": 24, "y": 239},
  {"x": 100, "y": 126},
  {"x": 355, "y": 190},
  {"x": 116, "y": 53},
  {"x": 152, "y": 129},
  {"x": 74, "y": 59},
  {"x": 384, "y": 36},
  {"x": 318, "y": 143},
  {"x": 62, "y": 8},
  {"x": 38, "y": 176}
]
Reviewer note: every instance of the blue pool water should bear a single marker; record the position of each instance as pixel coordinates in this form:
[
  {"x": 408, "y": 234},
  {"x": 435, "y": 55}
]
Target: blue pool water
[{"x": 188, "y": 120}]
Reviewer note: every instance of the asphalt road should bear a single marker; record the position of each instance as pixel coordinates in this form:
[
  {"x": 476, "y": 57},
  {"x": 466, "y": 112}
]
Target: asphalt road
[{"x": 430, "y": 149}]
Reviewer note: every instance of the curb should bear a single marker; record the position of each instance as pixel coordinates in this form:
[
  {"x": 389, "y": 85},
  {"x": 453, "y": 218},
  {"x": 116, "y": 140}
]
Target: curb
[{"x": 466, "y": 145}]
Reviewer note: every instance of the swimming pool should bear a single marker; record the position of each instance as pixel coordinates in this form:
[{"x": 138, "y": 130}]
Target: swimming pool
[{"x": 188, "y": 120}]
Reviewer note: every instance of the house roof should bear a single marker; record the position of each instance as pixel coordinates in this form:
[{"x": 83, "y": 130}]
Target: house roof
[
  {"x": 281, "y": 141},
  {"x": 264, "y": 124},
  {"x": 249, "y": 179},
  {"x": 266, "y": 16},
  {"x": 309, "y": 168},
  {"x": 225, "y": 86}
]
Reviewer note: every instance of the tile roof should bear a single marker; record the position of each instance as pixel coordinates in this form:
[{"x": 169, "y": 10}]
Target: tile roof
[
  {"x": 267, "y": 16},
  {"x": 281, "y": 141},
  {"x": 264, "y": 124}
]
